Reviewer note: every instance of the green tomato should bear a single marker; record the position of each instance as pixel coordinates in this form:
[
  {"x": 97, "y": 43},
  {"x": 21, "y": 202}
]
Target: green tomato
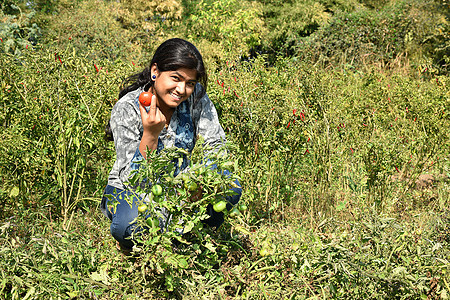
[
  {"x": 219, "y": 206},
  {"x": 185, "y": 177},
  {"x": 234, "y": 212},
  {"x": 157, "y": 190},
  {"x": 142, "y": 208},
  {"x": 243, "y": 207},
  {"x": 152, "y": 222},
  {"x": 191, "y": 186}
]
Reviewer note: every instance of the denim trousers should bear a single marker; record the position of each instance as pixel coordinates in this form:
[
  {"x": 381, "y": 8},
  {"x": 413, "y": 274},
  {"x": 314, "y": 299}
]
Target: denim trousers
[{"x": 123, "y": 216}]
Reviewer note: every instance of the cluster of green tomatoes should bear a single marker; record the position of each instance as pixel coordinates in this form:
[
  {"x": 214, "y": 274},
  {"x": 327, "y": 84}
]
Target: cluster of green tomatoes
[
  {"x": 219, "y": 205},
  {"x": 192, "y": 187},
  {"x": 157, "y": 192}
]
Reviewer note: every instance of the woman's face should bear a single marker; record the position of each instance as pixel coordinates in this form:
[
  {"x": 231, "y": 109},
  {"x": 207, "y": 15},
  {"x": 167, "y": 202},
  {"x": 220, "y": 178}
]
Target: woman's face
[{"x": 173, "y": 87}]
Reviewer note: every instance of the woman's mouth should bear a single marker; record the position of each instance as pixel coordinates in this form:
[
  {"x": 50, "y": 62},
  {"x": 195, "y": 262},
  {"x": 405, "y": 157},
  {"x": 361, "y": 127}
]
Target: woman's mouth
[{"x": 176, "y": 96}]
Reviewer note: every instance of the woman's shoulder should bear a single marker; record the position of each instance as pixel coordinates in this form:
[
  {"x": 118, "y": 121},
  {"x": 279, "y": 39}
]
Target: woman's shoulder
[
  {"x": 130, "y": 97},
  {"x": 127, "y": 106},
  {"x": 129, "y": 100}
]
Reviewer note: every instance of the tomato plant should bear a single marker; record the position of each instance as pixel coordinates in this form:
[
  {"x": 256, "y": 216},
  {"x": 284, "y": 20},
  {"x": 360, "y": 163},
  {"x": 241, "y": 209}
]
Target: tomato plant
[
  {"x": 145, "y": 98},
  {"x": 179, "y": 202}
]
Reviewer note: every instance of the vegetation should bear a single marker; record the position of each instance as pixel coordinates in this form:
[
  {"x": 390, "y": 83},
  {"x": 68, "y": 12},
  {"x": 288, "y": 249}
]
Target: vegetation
[{"x": 336, "y": 113}]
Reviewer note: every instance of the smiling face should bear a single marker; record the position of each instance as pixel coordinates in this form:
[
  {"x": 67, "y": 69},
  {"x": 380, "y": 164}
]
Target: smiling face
[{"x": 173, "y": 87}]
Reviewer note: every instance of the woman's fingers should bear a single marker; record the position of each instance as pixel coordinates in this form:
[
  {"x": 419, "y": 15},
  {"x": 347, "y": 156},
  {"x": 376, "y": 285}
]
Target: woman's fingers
[
  {"x": 143, "y": 110},
  {"x": 153, "y": 119},
  {"x": 159, "y": 117},
  {"x": 153, "y": 106}
]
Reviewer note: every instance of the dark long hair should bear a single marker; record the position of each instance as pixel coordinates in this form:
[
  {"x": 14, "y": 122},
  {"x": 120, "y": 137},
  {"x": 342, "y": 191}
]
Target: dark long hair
[{"x": 171, "y": 55}]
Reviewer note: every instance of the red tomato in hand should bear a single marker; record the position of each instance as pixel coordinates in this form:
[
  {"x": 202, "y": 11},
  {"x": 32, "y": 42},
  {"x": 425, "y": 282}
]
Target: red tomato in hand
[{"x": 145, "y": 98}]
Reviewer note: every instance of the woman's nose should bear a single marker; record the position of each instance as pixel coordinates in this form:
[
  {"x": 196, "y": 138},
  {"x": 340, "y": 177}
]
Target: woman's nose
[{"x": 181, "y": 87}]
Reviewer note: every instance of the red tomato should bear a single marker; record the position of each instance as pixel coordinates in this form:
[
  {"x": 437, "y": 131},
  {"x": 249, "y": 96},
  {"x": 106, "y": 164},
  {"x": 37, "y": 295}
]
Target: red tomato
[{"x": 145, "y": 98}]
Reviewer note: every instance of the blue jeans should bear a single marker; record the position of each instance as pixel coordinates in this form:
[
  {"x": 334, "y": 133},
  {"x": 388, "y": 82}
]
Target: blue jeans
[{"x": 123, "y": 217}]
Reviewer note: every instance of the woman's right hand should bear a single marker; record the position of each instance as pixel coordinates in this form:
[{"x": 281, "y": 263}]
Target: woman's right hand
[{"x": 153, "y": 122}]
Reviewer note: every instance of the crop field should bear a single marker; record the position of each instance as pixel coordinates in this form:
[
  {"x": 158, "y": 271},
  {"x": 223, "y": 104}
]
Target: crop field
[{"x": 336, "y": 115}]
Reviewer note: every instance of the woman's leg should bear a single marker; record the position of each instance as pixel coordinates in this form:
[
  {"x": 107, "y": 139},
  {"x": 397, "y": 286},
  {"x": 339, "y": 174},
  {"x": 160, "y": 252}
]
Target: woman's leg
[{"x": 122, "y": 215}]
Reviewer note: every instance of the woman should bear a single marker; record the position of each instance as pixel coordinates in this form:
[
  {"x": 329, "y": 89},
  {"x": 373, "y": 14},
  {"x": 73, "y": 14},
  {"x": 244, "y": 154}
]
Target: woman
[{"x": 179, "y": 112}]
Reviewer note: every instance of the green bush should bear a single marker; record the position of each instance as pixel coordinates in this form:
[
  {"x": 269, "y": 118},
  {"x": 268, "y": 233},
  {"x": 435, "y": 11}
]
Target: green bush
[
  {"x": 351, "y": 130},
  {"x": 94, "y": 35},
  {"x": 55, "y": 107},
  {"x": 389, "y": 37},
  {"x": 289, "y": 21},
  {"x": 223, "y": 30},
  {"x": 18, "y": 32}
]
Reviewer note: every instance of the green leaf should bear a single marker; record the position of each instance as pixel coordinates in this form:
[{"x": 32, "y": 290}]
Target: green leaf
[
  {"x": 188, "y": 227},
  {"x": 210, "y": 247},
  {"x": 14, "y": 192},
  {"x": 72, "y": 294},
  {"x": 340, "y": 206},
  {"x": 101, "y": 276}
]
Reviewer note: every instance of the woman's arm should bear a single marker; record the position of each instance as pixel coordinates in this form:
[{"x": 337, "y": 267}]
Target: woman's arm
[{"x": 125, "y": 126}]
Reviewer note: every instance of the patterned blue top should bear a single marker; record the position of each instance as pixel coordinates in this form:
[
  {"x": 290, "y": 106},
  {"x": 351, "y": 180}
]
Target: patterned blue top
[{"x": 193, "y": 117}]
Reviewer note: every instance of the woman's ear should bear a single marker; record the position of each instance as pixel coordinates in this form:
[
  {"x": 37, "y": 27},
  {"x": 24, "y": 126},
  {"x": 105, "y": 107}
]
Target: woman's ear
[{"x": 154, "y": 71}]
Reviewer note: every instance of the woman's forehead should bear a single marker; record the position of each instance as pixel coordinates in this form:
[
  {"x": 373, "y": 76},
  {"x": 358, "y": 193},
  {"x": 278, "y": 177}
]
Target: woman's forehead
[{"x": 186, "y": 74}]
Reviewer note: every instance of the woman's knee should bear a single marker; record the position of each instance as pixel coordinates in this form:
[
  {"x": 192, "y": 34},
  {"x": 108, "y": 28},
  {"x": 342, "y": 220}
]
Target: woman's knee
[{"x": 122, "y": 231}]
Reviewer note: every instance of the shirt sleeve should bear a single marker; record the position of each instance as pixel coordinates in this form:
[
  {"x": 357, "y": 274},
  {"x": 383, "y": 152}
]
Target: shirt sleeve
[
  {"x": 125, "y": 125},
  {"x": 206, "y": 122}
]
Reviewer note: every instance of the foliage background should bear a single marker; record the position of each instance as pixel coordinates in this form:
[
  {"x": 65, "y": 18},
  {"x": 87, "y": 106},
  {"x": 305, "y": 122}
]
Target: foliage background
[{"x": 338, "y": 111}]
